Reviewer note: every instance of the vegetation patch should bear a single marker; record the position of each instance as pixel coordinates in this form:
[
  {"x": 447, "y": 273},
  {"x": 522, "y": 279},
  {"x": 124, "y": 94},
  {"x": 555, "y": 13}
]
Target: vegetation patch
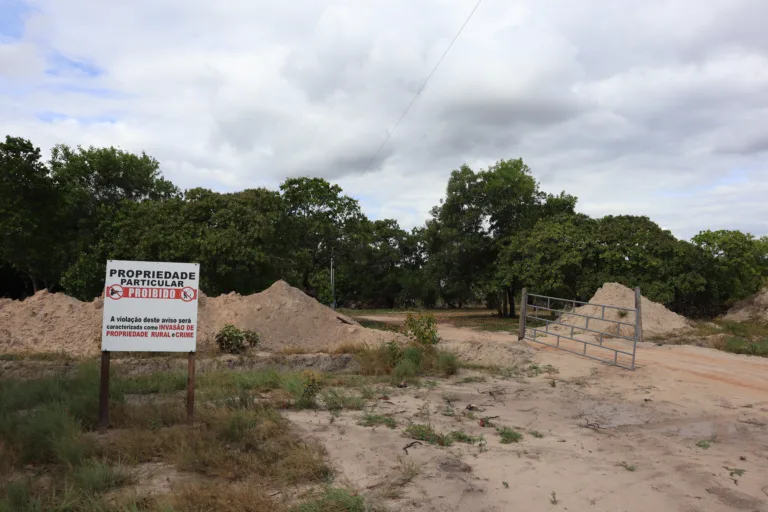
[
  {"x": 509, "y": 435},
  {"x": 427, "y": 434},
  {"x": 373, "y": 420}
]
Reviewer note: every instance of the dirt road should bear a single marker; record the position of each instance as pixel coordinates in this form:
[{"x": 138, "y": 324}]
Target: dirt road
[{"x": 687, "y": 431}]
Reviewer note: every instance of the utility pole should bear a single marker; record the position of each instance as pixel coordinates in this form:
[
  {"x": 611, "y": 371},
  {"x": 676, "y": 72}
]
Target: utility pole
[{"x": 333, "y": 285}]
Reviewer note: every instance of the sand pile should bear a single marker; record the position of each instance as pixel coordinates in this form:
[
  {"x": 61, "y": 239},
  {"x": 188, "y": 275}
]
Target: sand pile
[
  {"x": 754, "y": 308},
  {"x": 284, "y": 316},
  {"x": 50, "y": 322},
  {"x": 656, "y": 319}
]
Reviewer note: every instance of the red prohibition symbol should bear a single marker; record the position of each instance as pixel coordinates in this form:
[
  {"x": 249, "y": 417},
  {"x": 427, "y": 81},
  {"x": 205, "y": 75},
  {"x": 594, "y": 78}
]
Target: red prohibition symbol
[
  {"x": 188, "y": 294},
  {"x": 115, "y": 292}
]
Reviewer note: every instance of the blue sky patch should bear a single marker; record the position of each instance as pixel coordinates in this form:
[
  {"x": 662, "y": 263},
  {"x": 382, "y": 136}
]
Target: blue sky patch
[
  {"x": 13, "y": 15},
  {"x": 59, "y": 65}
]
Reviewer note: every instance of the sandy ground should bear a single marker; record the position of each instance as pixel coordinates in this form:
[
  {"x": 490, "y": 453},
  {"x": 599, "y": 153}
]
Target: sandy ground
[{"x": 594, "y": 419}]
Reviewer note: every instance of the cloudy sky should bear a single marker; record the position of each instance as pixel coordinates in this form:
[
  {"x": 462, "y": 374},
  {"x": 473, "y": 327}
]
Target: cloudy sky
[{"x": 636, "y": 106}]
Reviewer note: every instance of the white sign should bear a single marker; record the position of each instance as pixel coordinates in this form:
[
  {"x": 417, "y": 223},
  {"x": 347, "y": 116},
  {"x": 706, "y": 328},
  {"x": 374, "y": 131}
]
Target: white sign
[{"x": 150, "y": 306}]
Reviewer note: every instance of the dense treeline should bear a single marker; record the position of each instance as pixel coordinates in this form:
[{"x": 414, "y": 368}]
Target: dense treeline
[{"x": 494, "y": 232}]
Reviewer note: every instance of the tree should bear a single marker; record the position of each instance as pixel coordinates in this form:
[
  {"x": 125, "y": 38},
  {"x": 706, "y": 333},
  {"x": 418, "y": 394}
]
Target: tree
[
  {"x": 29, "y": 203},
  {"x": 513, "y": 204},
  {"x": 459, "y": 247},
  {"x": 556, "y": 257},
  {"x": 736, "y": 264},
  {"x": 317, "y": 223}
]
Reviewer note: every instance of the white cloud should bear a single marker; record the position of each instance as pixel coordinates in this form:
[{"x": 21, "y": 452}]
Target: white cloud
[{"x": 640, "y": 106}]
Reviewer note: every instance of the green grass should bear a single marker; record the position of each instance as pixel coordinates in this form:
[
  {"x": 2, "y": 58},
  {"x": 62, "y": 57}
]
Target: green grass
[
  {"x": 336, "y": 400},
  {"x": 427, "y": 434},
  {"x": 509, "y": 435},
  {"x": 379, "y": 326},
  {"x": 484, "y": 322},
  {"x": 536, "y": 433},
  {"x": 99, "y": 477},
  {"x": 703, "y": 444},
  {"x": 336, "y": 500},
  {"x": 462, "y": 437},
  {"x": 373, "y": 420},
  {"x": 754, "y": 347}
]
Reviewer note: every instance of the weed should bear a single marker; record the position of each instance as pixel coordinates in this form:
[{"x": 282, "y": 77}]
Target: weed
[
  {"x": 628, "y": 467},
  {"x": 623, "y": 314},
  {"x": 703, "y": 444},
  {"x": 368, "y": 392},
  {"x": 553, "y": 383},
  {"x": 99, "y": 477},
  {"x": 303, "y": 389},
  {"x": 735, "y": 471},
  {"x": 427, "y": 434},
  {"x": 448, "y": 411},
  {"x": 505, "y": 484},
  {"x": 334, "y": 500},
  {"x": 406, "y": 370},
  {"x": 447, "y": 364},
  {"x": 408, "y": 470},
  {"x": 462, "y": 437},
  {"x": 372, "y": 420},
  {"x": 509, "y": 435},
  {"x": 553, "y": 498},
  {"x": 415, "y": 354},
  {"x": 336, "y": 400},
  {"x": 536, "y": 433}
]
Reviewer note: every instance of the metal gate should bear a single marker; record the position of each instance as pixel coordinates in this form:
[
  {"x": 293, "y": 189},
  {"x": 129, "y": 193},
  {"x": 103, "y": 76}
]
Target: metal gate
[{"x": 565, "y": 324}]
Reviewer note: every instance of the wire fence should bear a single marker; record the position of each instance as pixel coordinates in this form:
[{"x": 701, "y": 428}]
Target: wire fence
[{"x": 603, "y": 332}]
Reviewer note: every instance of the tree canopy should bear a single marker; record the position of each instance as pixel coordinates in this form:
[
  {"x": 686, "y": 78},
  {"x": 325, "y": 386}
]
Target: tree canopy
[{"x": 494, "y": 232}]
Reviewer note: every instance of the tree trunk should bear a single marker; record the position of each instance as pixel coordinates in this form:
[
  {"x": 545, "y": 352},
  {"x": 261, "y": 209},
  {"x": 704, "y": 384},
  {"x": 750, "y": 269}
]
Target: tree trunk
[
  {"x": 511, "y": 292},
  {"x": 499, "y": 305},
  {"x": 504, "y": 304},
  {"x": 34, "y": 284}
]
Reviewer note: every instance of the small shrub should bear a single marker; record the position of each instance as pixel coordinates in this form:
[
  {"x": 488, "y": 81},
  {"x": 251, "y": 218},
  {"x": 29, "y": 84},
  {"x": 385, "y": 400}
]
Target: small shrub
[
  {"x": 447, "y": 364},
  {"x": 372, "y": 420},
  {"x": 232, "y": 340},
  {"x": 537, "y": 434},
  {"x": 422, "y": 329},
  {"x": 414, "y": 354},
  {"x": 406, "y": 370},
  {"x": 427, "y": 434},
  {"x": 99, "y": 477},
  {"x": 509, "y": 435},
  {"x": 703, "y": 444}
]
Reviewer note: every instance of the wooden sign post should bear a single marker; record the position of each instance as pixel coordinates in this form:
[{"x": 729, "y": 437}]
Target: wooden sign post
[{"x": 149, "y": 307}]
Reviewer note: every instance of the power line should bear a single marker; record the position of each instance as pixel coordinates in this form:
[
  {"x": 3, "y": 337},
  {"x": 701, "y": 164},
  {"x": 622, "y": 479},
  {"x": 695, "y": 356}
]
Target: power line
[{"x": 418, "y": 93}]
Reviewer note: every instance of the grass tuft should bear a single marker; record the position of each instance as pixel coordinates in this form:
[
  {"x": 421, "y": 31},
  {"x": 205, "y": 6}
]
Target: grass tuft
[
  {"x": 509, "y": 435},
  {"x": 427, "y": 434},
  {"x": 373, "y": 420}
]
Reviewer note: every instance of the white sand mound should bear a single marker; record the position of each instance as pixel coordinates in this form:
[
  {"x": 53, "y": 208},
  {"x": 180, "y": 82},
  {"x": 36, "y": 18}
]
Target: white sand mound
[
  {"x": 754, "y": 308},
  {"x": 284, "y": 316},
  {"x": 50, "y": 322},
  {"x": 656, "y": 319}
]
